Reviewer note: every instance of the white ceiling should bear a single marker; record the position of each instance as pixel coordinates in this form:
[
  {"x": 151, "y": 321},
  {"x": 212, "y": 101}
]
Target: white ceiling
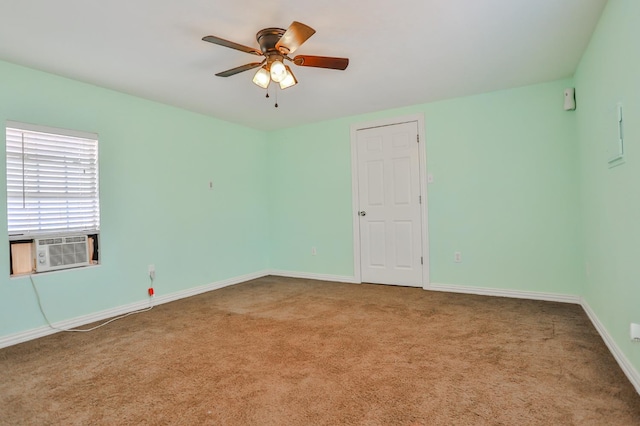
[{"x": 401, "y": 52}]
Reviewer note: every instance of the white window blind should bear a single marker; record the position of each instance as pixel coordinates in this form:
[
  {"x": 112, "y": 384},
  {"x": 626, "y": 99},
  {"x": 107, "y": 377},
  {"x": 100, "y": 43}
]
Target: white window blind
[{"x": 52, "y": 181}]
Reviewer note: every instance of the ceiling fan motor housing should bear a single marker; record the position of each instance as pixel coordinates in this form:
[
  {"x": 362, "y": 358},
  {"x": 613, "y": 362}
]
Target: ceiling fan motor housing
[{"x": 267, "y": 39}]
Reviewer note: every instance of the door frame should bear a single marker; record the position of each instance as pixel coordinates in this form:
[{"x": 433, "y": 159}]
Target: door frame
[{"x": 355, "y": 198}]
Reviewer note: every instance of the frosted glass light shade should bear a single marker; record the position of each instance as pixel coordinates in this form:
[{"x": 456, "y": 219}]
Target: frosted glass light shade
[
  {"x": 289, "y": 80},
  {"x": 262, "y": 78},
  {"x": 278, "y": 71}
]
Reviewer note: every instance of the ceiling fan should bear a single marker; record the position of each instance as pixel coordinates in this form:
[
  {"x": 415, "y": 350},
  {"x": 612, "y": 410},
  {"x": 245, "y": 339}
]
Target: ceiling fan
[{"x": 276, "y": 45}]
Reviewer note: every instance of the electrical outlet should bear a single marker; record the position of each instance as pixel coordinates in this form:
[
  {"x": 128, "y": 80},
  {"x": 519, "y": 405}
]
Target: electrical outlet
[
  {"x": 314, "y": 251},
  {"x": 152, "y": 272},
  {"x": 457, "y": 257},
  {"x": 634, "y": 332}
]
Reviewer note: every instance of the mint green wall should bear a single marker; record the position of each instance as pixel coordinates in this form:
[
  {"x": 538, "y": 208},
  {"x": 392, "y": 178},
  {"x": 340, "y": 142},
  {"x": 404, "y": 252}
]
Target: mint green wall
[
  {"x": 609, "y": 73},
  {"x": 310, "y": 199},
  {"x": 156, "y": 207},
  {"x": 505, "y": 192}
]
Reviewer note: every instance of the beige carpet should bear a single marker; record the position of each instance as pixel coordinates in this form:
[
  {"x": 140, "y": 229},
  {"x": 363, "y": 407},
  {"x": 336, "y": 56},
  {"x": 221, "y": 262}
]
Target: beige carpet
[{"x": 278, "y": 351}]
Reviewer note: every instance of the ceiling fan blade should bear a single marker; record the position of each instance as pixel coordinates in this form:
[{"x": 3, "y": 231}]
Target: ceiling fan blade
[
  {"x": 321, "y": 62},
  {"x": 296, "y": 34},
  {"x": 226, "y": 43},
  {"x": 236, "y": 70}
]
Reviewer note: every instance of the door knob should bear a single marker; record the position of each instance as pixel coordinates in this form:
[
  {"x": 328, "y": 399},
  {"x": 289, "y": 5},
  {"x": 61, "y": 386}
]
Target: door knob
[{"x": 362, "y": 213}]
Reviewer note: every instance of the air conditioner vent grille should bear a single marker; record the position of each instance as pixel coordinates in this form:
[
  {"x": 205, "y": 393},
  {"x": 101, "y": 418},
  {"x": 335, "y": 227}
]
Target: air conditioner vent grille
[{"x": 61, "y": 253}]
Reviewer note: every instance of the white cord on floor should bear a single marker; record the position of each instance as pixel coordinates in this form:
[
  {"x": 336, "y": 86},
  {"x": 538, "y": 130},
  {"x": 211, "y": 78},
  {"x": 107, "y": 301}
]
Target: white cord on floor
[{"x": 77, "y": 330}]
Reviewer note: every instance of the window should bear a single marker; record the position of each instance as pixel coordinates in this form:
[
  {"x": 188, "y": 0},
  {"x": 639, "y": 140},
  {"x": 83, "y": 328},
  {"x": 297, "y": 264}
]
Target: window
[{"x": 52, "y": 183}]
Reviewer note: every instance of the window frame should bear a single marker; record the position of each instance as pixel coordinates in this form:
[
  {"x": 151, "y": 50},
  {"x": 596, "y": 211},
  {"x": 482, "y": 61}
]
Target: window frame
[{"x": 57, "y": 172}]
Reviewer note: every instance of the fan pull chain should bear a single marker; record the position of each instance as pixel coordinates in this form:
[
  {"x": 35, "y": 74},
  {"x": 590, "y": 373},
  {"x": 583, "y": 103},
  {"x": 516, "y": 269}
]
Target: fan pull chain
[{"x": 267, "y": 96}]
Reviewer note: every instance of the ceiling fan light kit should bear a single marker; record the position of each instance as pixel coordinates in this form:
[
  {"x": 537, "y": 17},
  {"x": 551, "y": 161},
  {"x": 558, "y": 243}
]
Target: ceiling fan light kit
[
  {"x": 289, "y": 80},
  {"x": 275, "y": 45},
  {"x": 278, "y": 71},
  {"x": 262, "y": 78}
]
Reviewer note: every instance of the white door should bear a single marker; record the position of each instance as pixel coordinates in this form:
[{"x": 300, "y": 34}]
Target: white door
[{"x": 389, "y": 205}]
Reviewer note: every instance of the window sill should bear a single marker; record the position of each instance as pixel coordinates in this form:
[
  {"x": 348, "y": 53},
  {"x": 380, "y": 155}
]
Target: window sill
[{"x": 33, "y": 273}]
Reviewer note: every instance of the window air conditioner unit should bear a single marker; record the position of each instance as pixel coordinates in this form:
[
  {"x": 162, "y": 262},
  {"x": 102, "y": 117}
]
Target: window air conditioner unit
[{"x": 61, "y": 253}]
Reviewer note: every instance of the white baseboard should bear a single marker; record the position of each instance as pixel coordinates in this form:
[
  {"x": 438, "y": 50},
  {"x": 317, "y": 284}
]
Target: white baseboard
[
  {"x": 499, "y": 292},
  {"x": 312, "y": 276},
  {"x": 14, "y": 339},
  {"x": 623, "y": 361},
  {"x": 209, "y": 287}
]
